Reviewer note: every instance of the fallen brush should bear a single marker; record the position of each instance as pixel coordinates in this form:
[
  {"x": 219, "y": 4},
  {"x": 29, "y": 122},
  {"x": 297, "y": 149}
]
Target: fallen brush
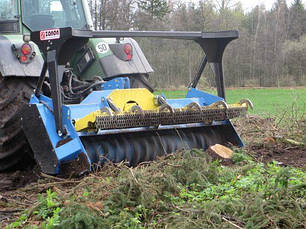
[{"x": 182, "y": 190}]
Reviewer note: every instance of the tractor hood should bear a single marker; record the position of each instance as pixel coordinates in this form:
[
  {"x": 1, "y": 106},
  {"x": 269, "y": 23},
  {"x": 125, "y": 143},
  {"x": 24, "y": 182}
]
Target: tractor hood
[
  {"x": 10, "y": 64},
  {"x": 115, "y": 65}
]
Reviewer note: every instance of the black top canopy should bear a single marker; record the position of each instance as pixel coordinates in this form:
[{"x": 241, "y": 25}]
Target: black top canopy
[{"x": 212, "y": 43}]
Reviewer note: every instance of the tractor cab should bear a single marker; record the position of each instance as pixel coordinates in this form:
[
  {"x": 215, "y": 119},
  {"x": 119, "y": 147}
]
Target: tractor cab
[
  {"x": 9, "y": 19},
  {"x": 46, "y": 14},
  {"x": 19, "y": 16},
  {"x": 107, "y": 57}
]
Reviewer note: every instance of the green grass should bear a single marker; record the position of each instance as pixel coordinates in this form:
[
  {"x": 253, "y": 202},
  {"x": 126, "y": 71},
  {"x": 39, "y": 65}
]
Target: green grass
[{"x": 267, "y": 101}]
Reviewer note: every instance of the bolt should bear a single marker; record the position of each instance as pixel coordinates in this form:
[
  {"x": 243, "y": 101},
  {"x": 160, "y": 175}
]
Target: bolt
[{"x": 59, "y": 133}]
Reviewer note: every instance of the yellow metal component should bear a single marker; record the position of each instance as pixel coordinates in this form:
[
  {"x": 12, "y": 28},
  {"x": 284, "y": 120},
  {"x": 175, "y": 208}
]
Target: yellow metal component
[
  {"x": 86, "y": 122},
  {"x": 233, "y": 105},
  {"x": 125, "y": 99},
  {"x": 128, "y": 107}
]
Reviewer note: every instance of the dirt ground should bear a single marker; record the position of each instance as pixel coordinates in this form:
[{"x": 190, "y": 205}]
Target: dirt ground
[
  {"x": 264, "y": 141},
  {"x": 14, "y": 180}
]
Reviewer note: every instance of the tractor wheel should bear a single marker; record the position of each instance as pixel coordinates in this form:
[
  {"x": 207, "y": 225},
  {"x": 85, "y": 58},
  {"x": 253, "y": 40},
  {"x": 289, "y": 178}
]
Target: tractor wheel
[
  {"x": 14, "y": 94},
  {"x": 141, "y": 81}
]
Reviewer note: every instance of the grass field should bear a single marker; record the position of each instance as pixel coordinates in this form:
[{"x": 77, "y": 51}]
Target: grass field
[{"x": 267, "y": 101}]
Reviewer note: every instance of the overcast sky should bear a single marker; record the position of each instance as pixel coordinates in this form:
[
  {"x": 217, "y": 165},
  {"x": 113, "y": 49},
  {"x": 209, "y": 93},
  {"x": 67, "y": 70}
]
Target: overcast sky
[{"x": 249, "y": 4}]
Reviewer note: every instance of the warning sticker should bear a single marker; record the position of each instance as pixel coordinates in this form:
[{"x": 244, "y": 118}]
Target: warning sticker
[{"x": 50, "y": 34}]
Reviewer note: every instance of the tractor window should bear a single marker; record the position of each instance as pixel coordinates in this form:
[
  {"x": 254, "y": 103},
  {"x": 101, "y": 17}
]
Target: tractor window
[
  {"x": 46, "y": 14},
  {"x": 8, "y": 10},
  {"x": 8, "y": 16}
]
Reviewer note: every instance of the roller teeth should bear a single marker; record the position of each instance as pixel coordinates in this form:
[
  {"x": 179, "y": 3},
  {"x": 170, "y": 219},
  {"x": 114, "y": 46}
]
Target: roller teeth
[
  {"x": 147, "y": 146},
  {"x": 166, "y": 107},
  {"x": 220, "y": 103},
  {"x": 136, "y": 109},
  {"x": 247, "y": 102},
  {"x": 194, "y": 105}
]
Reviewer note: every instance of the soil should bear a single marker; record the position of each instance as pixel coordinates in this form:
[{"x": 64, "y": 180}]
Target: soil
[
  {"x": 266, "y": 141},
  {"x": 263, "y": 140},
  {"x": 17, "y": 179},
  {"x": 287, "y": 156},
  {"x": 10, "y": 182}
]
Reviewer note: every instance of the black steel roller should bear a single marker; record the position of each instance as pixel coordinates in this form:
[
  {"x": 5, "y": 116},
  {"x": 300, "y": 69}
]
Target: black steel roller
[{"x": 145, "y": 146}]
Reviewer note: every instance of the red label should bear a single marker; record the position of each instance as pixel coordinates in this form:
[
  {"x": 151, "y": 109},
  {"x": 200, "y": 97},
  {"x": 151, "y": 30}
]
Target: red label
[{"x": 50, "y": 34}]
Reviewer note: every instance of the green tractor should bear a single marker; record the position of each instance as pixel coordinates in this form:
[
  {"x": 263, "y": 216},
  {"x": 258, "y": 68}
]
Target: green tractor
[
  {"x": 75, "y": 98},
  {"x": 21, "y": 63}
]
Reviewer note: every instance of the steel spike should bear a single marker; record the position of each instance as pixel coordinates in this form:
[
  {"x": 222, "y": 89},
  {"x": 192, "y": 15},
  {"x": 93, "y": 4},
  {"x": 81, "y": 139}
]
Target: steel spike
[
  {"x": 194, "y": 105},
  {"x": 219, "y": 103},
  {"x": 166, "y": 106},
  {"x": 107, "y": 111},
  {"x": 247, "y": 102}
]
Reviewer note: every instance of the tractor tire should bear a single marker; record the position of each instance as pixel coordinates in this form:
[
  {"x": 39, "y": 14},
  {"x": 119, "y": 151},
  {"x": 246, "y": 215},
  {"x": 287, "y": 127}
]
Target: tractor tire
[{"x": 14, "y": 94}]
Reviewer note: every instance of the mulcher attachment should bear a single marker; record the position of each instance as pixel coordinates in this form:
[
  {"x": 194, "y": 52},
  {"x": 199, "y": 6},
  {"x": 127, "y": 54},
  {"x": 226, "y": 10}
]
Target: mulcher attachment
[
  {"x": 150, "y": 126},
  {"x": 120, "y": 123}
]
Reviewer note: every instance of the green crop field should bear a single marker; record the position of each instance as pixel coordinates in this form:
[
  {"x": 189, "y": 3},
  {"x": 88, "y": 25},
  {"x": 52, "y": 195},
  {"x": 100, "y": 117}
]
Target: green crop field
[{"x": 267, "y": 101}]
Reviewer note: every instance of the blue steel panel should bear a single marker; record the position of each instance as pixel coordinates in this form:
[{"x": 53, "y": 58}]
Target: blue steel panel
[
  {"x": 68, "y": 151},
  {"x": 76, "y": 144},
  {"x": 80, "y": 111},
  {"x": 180, "y": 103},
  {"x": 206, "y": 98},
  {"x": 107, "y": 88},
  {"x": 117, "y": 83},
  {"x": 95, "y": 97}
]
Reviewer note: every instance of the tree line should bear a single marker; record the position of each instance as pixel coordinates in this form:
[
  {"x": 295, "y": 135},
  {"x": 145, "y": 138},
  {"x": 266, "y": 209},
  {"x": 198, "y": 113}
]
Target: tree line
[{"x": 271, "y": 50}]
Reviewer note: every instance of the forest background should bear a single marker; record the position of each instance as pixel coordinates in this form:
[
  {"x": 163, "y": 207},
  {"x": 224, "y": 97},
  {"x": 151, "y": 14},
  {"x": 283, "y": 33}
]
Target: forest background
[{"x": 271, "y": 50}]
